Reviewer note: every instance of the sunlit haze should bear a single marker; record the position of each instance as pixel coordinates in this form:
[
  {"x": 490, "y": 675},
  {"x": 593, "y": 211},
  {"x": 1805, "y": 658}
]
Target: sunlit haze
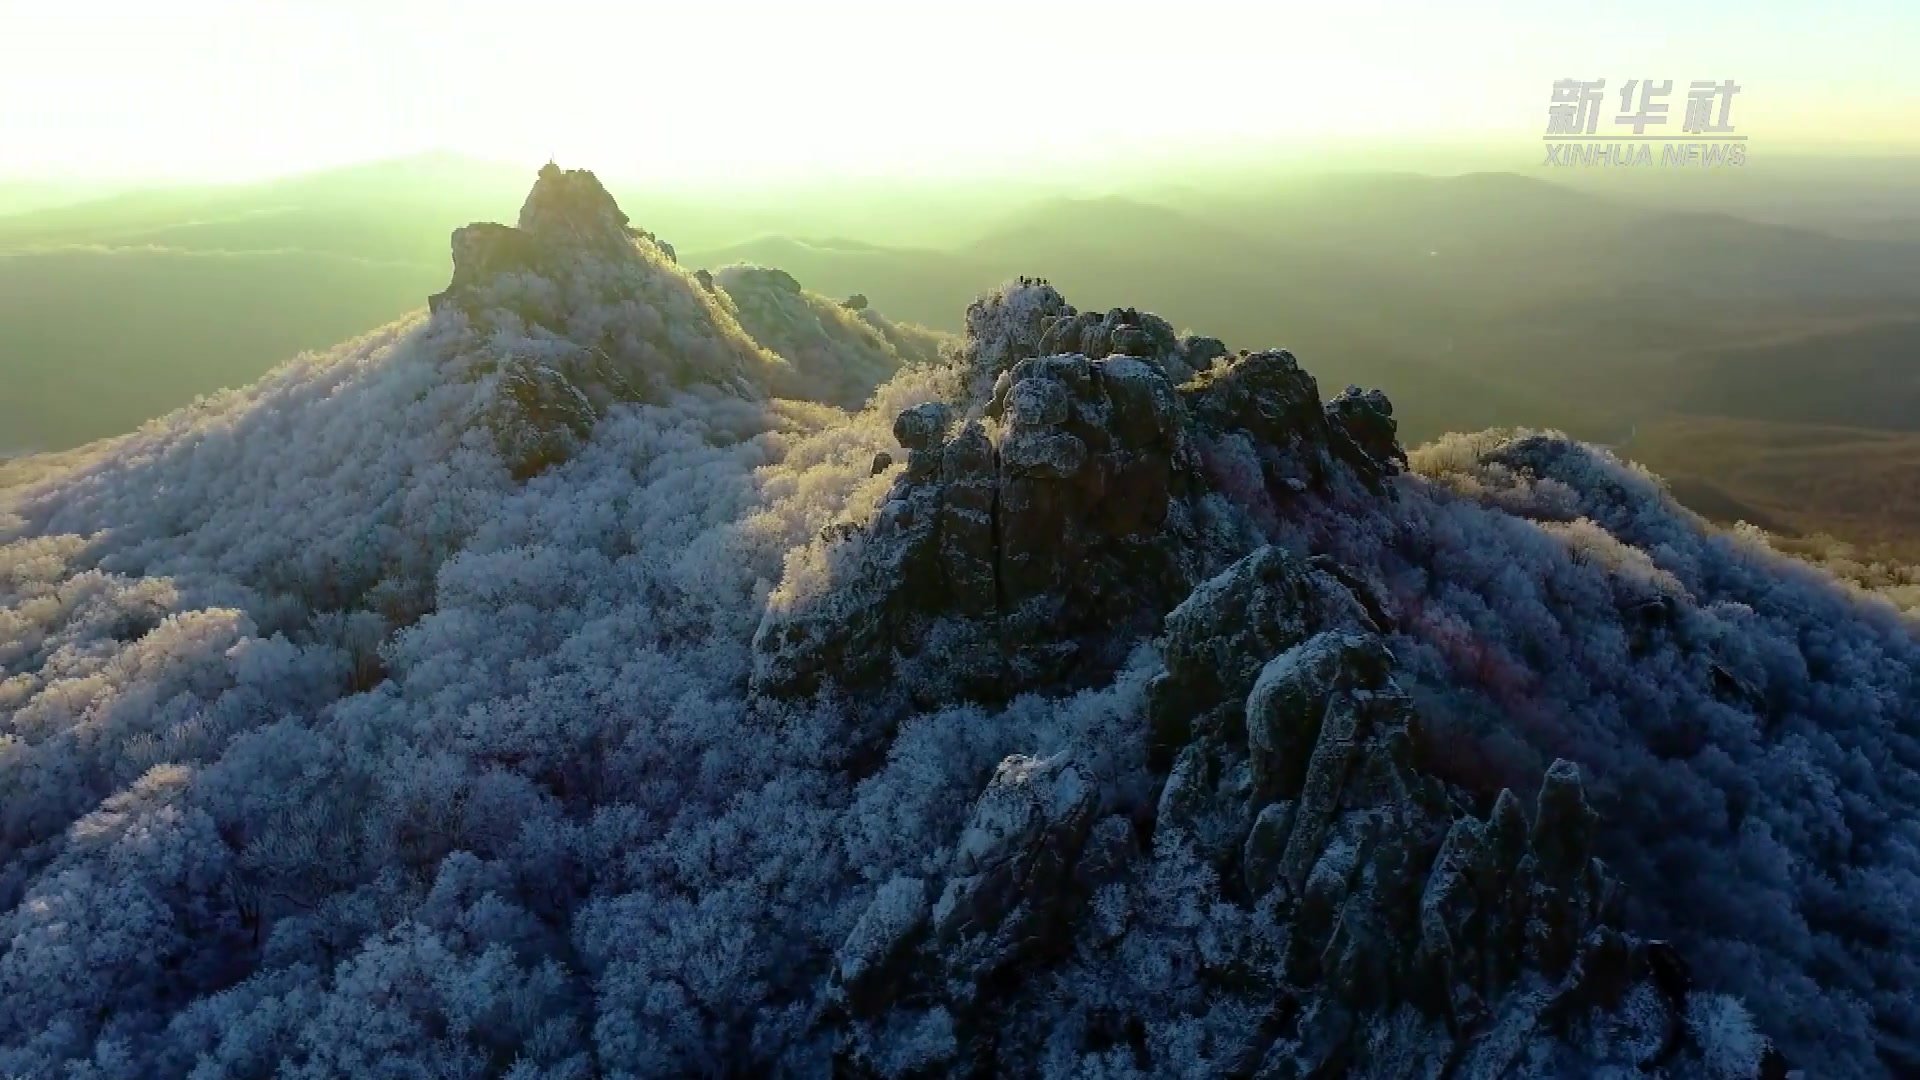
[{"x": 710, "y": 92}]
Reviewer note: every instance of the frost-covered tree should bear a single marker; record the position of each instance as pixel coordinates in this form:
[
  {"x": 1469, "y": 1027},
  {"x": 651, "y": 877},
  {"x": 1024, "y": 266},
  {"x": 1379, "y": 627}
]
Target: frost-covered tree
[{"x": 396, "y": 715}]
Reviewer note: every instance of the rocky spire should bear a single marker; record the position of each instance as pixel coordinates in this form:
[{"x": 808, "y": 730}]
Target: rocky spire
[
  {"x": 574, "y": 310},
  {"x": 567, "y": 215},
  {"x": 570, "y": 207}
]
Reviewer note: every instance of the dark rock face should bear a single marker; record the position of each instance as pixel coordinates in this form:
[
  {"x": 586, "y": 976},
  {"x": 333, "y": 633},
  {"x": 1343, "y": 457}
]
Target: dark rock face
[
  {"x": 1391, "y": 930},
  {"x": 1034, "y": 320},
  {"x": 1090, "y": 456},
  {"x": 542, "y": 411},
  {"x": 540, "y": 417},
  {"x": 1262, "y": 605},
  {"x": 1033, "y": 544},
  {"x": 1365, "y": 419},
  {"x": 1005, "y": 327},
  {"x": 922, "y": 426},
  {"x": 482, "y": 251},
  {"x": 1265, "y": 394},
  {"x": 566, "y": 214},
  {"x": 1017, "y": 541},
  {"x": 1273, "y": 405},
  {"x": 1008, "y": 892},
  {"x": 1386, "y": 892}
]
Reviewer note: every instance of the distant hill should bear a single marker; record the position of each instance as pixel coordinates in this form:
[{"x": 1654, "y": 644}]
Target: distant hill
[
  {"x": 915, "y": 284},
  {"x": 23, "y": 196},
  {"x": 1856, "y": 483},
  {"x": 95, "y": 341},
  {"x": 117, "y": 309},
  {"x": 1864, "y": 376}
]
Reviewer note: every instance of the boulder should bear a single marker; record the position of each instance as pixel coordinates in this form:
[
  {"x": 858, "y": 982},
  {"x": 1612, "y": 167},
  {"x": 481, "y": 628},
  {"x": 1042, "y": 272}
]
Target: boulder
[
  {"x": 1007, "y": 892},
  {"x": 1366, "y": 432}
]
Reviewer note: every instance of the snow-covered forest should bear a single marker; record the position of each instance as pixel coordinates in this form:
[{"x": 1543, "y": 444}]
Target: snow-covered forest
[{"x": 551, "y": 685}]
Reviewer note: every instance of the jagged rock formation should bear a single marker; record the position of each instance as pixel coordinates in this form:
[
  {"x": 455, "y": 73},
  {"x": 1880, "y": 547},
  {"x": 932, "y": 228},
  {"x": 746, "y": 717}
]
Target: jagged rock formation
[
  {"x": 1383, "y": 927},
  {"x": 1033, "y": 319},
  {"x": 575, "y": 309},
  {"x": 1373, "y": 919},
  {"x": 542, "y": 415},
  {"x": 1015, "y": 535},
  {"x": 1128, "y": 332},
  {"x": 1302, "y": 785},
  {"x": 567, "y": 214},
  {"x": 1006, "y": 534}
]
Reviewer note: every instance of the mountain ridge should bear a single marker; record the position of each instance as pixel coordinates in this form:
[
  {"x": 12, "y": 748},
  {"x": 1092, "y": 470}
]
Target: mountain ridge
[{"x": 613, "y": 670}]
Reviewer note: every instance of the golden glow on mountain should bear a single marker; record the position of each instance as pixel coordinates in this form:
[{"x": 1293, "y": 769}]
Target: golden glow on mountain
[{"x": 710, "y": 92}]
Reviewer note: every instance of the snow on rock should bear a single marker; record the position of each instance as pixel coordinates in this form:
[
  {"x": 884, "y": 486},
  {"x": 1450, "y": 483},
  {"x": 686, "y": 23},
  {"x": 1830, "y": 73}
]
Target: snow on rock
[{"x": 838, "y": 354}]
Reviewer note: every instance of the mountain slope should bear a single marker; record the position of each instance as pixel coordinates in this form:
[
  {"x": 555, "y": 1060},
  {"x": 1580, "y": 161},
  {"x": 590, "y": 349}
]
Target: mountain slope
[
  {"x": 556, "y": 684},
  {"x": 1801, "y": 479},
  {"x": 917, "y": 285},
  {"x": 1864, "y": 376}
]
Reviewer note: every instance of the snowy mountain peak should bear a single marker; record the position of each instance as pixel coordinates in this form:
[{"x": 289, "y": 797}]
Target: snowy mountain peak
[
  {"x": 574, "y": 311},
  {"x": 567, "y": 217},
  {"x": 1084, "y": 701},
  {"x": 569, "y": 206}
]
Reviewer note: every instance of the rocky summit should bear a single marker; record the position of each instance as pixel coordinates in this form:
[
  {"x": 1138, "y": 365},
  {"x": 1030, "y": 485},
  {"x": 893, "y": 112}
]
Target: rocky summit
[
  {"x": 626, "y": 669},
  {"x": 1382, "y": 925},
  {"x": 575, "y": 309},
  {"x": 1068, "y": 507}
]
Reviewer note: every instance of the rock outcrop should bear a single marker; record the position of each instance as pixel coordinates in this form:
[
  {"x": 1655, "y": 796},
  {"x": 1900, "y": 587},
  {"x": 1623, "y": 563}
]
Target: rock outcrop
[
  {"x": 1307, "y": 791},
  {"x": 1033, "y": 319},
  {"x": 1384, "y": 927},
  {"x": 1362, "y": 917},
  {"x": 540, "y": 416},
  {"x": 1042, "y": 527},
  {"x": 1129, "y": 332},
  {"x": 574, "y": 310},
  {"x": 566, "y": 215},
  {"x": 1010, "y": 530},
  {"x": 1008, "y": 894}
]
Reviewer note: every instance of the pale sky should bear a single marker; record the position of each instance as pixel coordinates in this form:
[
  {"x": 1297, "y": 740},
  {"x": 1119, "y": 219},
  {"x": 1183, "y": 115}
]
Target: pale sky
[{"x": 199, "y": 89}]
